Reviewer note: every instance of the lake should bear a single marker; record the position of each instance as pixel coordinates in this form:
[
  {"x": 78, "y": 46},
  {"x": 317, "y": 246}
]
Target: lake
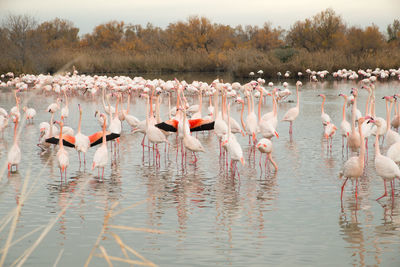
[{"x": 196, "y": 215}]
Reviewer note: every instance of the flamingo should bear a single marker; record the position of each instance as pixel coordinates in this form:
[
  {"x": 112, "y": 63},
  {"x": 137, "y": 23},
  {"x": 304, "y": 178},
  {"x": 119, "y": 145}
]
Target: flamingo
[
  {"x": 65, "y": 109},
  {"x": 14, "y": 155},
  {"x": 220, "y": 126},
  {"x": 233, "y": 147},
  {"x": 29, "y": 113},
  {"x": 324, "y": 116},
  {"x": 100, "y": 119},
  {"x": 235, "y": 126},
  {"x": 15, "y": 110},
  {"x": 354, "y": 167},
  {"x": 391, "y": 136},
  {"x": 130, "y": 119},
  {"x": 265, "y": 146},
  {"x": 53, "y": 107},
  {"x": 100, "y": 158},
  {"x": 251, "y": 119},
  {"x": 82, "y": 142},
  {"x": 62, "y": 153},
  {"x": 266, "y": 127},
  {"x": 345, "y": 126},
  {"x": 190, "y": 142},
  {"x": 272, "y": 115},
  {"x": 292, "y": 113},
  {"x": 395, "y": 123},
  {"x": 154, "y": 134},
  {"x": 353, "y": 140},
  {"x": 385, "y": 167}
]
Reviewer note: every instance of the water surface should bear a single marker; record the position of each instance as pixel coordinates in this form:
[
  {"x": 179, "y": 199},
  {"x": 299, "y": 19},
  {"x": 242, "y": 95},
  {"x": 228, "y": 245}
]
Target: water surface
[{"x": 292, "y": 217}]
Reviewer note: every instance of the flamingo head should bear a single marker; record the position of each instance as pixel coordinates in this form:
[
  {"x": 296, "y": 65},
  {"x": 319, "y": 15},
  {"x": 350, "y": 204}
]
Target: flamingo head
[
  {"x": 80, "y": 109},
  {"x": 354, "y": 92},
  {"x": 370, "y": 119},
  {"x": 322, "y": 95}
]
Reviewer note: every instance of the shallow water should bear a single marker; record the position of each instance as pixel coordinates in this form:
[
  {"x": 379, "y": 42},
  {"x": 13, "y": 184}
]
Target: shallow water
[{"x": 292, "y": 217}]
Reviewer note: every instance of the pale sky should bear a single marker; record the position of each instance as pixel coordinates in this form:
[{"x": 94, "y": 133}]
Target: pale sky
[{"x": 86, "y": 14}]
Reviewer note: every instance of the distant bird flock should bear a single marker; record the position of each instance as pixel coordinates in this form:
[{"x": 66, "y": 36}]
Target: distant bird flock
[{"x": 213, "y": 114}]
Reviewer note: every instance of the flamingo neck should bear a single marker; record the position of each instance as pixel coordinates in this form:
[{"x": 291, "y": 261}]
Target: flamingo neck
[
  {"x": 147, "y": 113},
  {"x": 229, "y": 121},
  {"x": 377, "y": 149},
  {"x": 241, "y": 117},
  {"x": 169, "y": 105},
  {"x": 373, "y": 107},
  {"x": 367, "y": 111},
  {"x": 362, "y": 146},
  {"x": 104, "y": 141},
  {"x": 353, "y": 115},
  {"x": 322, "y": 105},
  {"x": 388, "y": 111},
  {"x": 216, "y": 104},
  {"x": 248, "y": 104},
  {"x": 51, "y": 125},
  {"x": 185, "y": 134},
  {"x": 15, "y": 132},
  {"x": 129, "y": 103},
  {"x": 274, "y": 105},
  {"x": 298, "y": 97},
  {"x": 61, "y": 137},
  {"x": 104, "y": 103},
  {"x": 116, "y": 107},
  {"x": 80, "y": 121},
  {"x": 158, "y": 109}
]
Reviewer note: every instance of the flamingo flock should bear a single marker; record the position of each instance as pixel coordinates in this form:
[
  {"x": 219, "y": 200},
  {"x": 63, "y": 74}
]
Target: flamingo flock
[{"x": 177, "y": 128}]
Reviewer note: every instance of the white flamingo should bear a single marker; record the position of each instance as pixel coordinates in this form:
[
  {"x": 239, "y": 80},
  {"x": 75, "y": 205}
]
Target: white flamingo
[
  {"x": 14, "y": 155},
  {"x": 100, "y": 157}
]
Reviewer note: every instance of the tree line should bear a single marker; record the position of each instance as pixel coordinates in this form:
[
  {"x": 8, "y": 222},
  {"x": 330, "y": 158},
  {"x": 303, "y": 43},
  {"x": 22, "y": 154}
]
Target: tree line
[{"x": 323, "y": 41}]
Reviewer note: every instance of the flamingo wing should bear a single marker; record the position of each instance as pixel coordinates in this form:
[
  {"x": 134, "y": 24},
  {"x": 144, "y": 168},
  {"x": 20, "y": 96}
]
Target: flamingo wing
[
  {"x": 169, "y": 125},
  {"x": 68, "y": 140},
  {"x": 201, "y": 125},
  {"x": 97, "y": 140}
]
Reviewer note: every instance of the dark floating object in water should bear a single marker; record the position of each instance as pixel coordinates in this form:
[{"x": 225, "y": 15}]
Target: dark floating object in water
[{"x": 290, "y": 101}]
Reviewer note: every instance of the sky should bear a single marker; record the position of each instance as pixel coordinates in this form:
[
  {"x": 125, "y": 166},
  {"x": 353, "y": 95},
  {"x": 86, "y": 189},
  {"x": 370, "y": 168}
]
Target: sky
[{"x": 86, "y": 14}]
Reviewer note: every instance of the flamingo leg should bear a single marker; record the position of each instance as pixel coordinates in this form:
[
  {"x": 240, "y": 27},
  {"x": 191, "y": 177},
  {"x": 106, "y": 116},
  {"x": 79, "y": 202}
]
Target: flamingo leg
[
  {"x": 356, "y": 192},
  {"x": 273, "y": 162},
  {"x": 392, "y": 186},
  {"x": 385, "y": 194},
  {"x": 341, "y": 194}
]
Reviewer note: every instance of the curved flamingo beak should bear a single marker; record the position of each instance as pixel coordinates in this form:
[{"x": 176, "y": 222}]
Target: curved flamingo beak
[{"x": 276, "y": 134}]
